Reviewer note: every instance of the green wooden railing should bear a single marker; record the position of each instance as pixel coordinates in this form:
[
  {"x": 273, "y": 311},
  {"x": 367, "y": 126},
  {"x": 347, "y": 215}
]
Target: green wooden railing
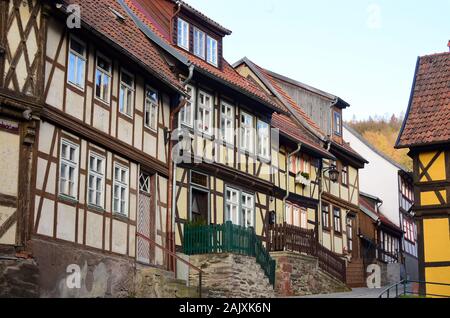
[{"x": 228, "y": 238}]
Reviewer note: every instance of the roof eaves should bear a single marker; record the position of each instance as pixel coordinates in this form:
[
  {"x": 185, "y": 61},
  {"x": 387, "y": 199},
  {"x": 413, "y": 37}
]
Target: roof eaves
[
  {"x": 350, "y": 153},
  {"x": 370, "y": 196},
  {"x": 278, "y": 95},
  {"x": 154, "y": 37},
  {"x": 372, "y": 215},
  {"x": 202, "y": 16},
  {"x": 240, "y": 90},
  {"x": 398, "y": 144}
]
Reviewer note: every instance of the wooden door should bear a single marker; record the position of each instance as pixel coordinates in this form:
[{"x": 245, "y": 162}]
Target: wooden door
[{"x": 145, "y": 221}]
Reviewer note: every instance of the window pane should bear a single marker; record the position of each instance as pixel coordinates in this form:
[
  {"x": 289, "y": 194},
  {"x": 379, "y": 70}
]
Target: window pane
[{"x": 77, "y": 47}]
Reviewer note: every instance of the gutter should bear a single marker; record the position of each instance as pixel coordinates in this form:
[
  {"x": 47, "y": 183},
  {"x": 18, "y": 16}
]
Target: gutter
[{"x": 172, "y": 164}]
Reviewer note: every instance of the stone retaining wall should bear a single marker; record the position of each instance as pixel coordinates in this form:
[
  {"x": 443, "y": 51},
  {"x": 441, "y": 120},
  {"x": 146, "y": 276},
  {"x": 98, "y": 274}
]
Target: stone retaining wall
[
  {"x": 231, "y": 276},
  {"x": 300, "y": 275}
]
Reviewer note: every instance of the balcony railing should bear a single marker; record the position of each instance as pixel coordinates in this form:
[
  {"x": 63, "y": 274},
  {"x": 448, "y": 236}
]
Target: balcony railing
[
  {"x": 228, "y": 238},
  {"x": 285, "y": 237}
]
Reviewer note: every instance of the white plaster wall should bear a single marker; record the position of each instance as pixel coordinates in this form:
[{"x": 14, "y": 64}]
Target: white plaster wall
[{"x": 379, "y": 178}]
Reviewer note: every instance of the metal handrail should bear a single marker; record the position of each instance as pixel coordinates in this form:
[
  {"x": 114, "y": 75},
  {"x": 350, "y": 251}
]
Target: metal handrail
[
  {"x": 200, "y": 272},
  {"x": 404, "y": 283}
]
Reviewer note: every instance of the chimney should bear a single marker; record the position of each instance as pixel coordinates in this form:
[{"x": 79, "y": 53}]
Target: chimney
[{"x": 448, "y": 45}]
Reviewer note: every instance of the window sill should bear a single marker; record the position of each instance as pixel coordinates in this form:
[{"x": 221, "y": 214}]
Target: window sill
[
  {"x": 106, "y": 103},
  {"x": 76, "y": 86},
  {"x": 96, "y": 208},
  {"x": 264, "y": 159},
  {"x": 204, "y": 135},
  {"x": 120, "y": 217},
  {"x": 126, "y": 115},
  {"x": 67, "y": 199}
]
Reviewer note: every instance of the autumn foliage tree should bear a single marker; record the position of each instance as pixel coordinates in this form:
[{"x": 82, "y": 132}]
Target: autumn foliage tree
[{"x": 381, "y": 132}]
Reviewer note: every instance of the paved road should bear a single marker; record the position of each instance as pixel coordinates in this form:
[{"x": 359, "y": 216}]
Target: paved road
[{"x": 355, "y": 293}]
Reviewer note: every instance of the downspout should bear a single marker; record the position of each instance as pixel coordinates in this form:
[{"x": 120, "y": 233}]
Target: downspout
[
  {"x": 171, "y": 19},
  {"x": 172, "y": 165},
  {"x": 288, "y": 170},
  {"x": 321, "y": 190}
]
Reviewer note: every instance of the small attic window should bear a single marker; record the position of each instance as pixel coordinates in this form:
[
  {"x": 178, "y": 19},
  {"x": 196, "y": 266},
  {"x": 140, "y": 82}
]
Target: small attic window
[{"x": 117, "y": 14}]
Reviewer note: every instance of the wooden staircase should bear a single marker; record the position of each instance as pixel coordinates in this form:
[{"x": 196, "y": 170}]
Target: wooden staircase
[{"x": 356, "y": 276}]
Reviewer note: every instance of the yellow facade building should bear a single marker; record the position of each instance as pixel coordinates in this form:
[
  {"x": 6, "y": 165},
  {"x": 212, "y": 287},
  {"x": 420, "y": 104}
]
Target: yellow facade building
[{"x": 426, "y": 132}]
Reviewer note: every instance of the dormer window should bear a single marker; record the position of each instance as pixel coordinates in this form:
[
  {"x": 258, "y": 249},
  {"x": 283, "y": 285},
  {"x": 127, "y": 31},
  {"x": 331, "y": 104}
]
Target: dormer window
[
  {"x": 183, "y": 34},
  {"x": 337, "y": 124},
  {"x": 211, "y": 51},
  {"x": 203, "y": 45},
  {"x": 199, "y": 43}
]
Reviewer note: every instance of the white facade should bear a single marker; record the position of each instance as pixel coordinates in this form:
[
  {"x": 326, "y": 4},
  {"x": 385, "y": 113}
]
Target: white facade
[{"x": 379, "y": 177}]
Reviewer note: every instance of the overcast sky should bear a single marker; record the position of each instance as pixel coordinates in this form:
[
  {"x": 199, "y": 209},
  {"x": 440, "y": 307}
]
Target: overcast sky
[{"x": 363, "y": 51}]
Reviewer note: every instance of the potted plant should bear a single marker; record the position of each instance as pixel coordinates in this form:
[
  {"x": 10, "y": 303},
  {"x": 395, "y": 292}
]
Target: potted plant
[{"x": 304, "y": 179}]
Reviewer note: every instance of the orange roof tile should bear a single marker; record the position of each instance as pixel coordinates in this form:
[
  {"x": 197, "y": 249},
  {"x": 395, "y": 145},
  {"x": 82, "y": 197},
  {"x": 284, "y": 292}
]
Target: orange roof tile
[{"x": 428, "y": 118}]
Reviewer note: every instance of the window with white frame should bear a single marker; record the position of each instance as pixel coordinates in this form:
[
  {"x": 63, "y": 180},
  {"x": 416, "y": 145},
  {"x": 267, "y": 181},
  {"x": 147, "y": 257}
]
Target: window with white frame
[
  {"x": 103, "y": 75},
  {"x": 337, "y": 220},
  {"x": 211, "y": 51},
  {"x": 151, "y": 109},
  {"x": 247, "y": 210},
  {"x": 296, "y": 216},
  {"x": 68, "y": 173},
  {"x": 247, "y": 138},
  {"x": 226, "y": 123},
  {"x": 183, "y": 34},
  {"x": 326, "y": 216},
  {"x": 232, "y": 205},
  {"x": 126, "y": 93},
  {"x": 77, "y": 62},
  {"x": 263, "y": 139},
  {"x": 205, "y": 113},
  {"x": 239, "y": 207},
  {"x": 96, "y": 180},
  {"x": 337, "y": 124},
  {"x": 187, "y": 112},
  {"x": 349, "y": 234},
  {"x": 344, "y": 175},
  {"x": 199, "y": 43},
  {"x": 120, "y": 195}
]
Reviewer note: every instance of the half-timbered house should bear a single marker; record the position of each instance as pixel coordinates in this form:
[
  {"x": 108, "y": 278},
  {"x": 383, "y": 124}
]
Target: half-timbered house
[
  {"x": 85, "y": 110},
  {"x": 320, "y": 114},
  {"x": 426, "y": 132},
  {"x": 226, "y": 171}
]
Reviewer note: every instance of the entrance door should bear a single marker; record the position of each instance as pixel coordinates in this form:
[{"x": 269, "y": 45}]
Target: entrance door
[
  {"x": 145, "y": 221},
  {"x": 200, "y": 206}
]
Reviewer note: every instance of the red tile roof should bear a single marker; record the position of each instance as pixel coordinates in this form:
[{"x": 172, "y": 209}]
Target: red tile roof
[
  {"x": 428, "y": 118},
  {"x": 98, "y": 15},
  {"x": 226, "y": 73}
]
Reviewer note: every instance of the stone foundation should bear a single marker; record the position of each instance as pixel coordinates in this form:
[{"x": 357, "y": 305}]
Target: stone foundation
[
  {"x": 156, "y": 283},
  {"x": 231, "y": 276},
  {"x": 300, "y": 275},
  {"x": 100, "y": 275},
  {"x": 19, "y": 278}
]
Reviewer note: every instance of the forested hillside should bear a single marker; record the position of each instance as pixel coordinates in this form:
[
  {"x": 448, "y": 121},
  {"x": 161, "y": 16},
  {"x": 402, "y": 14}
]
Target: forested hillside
[{"x": 382, "y": 133}]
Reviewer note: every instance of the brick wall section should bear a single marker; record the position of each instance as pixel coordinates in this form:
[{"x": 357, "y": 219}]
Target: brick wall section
[
  {"x": 299, "y": 275},
  {"x": 231, "y": 276}
]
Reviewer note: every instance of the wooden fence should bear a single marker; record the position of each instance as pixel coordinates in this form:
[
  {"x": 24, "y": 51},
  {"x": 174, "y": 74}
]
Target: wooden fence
[
  {"x": 228, "y": 238},
  {"x": 285, "y": 237}
]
